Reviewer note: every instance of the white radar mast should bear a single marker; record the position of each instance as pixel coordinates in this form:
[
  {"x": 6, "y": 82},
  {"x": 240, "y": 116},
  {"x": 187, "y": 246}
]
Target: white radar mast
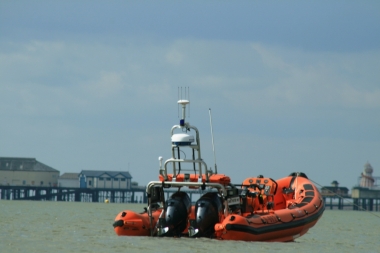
[{"x": 183, "y": 103}]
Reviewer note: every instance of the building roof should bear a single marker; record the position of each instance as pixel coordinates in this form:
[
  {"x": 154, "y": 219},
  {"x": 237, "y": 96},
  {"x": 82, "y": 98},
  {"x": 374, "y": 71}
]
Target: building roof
[
  {"x": 98, "y": 173},
  {"x": 69, "y": 176},
  {"x": 24, "y": 164}
]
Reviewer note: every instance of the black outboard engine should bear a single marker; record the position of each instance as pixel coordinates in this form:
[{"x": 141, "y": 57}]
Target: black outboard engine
[
  {"x": 207, "y": 211},
  {"x": 177, "y": 209}
]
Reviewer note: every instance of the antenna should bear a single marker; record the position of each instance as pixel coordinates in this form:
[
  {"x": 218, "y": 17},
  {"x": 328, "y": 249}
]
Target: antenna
[
  {"x": 187, "y": 98},
  {"x": 212, "y": 137},
  {"x": 178, "y": 104}
]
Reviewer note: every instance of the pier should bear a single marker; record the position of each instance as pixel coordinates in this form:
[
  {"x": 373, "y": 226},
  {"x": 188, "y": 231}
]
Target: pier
[
  {"x": 360, "y": 199},
  {"x": 133, "y": 195},
  {"x": 341, "y": 203},
  {"x": 367, "y": 199}
]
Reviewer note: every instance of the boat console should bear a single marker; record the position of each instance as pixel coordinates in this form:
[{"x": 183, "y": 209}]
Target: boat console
[{"x": 257, "y": 194}]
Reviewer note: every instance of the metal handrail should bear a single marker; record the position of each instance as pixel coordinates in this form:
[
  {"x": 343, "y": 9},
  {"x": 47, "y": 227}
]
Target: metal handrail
[{"x": 164, "y": 172}]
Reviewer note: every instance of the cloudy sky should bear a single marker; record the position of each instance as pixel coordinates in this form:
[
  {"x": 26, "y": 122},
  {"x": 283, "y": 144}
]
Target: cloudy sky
[{"x": 292, "y": 85}]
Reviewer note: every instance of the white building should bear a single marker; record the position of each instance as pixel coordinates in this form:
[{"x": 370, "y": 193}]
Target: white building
[
  {"x": 105, "y": 179},
  {"x": 69, "y": 180}
]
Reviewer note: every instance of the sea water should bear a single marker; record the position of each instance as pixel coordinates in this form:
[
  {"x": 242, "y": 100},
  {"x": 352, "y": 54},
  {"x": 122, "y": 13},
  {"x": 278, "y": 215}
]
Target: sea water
[{"x": 44, "y": 226}]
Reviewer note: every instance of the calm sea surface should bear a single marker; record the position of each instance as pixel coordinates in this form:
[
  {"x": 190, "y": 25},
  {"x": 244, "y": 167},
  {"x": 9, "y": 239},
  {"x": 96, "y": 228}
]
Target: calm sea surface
[{"x": 43, "y": 226}]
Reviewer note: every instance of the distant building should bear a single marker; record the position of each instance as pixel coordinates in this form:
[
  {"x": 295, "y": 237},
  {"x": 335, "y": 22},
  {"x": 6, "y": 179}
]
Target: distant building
[
  {"x": 69, "y": 180},
  {"x": 26, "y": 172},
  {"x": 334, "y": 190},
  {"x": 367, "y": 180},
  {"x": 105, "y": 179}
]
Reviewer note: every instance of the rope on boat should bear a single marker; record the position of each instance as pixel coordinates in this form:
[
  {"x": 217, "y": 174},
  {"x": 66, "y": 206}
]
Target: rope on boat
[{"x": 339, "y": 196}]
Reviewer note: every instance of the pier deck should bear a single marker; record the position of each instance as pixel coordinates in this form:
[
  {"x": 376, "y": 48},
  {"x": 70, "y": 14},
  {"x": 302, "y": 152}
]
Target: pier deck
[{"x": 360, "y": 199}]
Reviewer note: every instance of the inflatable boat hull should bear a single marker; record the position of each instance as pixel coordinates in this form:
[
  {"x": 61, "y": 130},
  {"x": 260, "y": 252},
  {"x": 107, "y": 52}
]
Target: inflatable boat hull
[{"x": 296, "y": 207}]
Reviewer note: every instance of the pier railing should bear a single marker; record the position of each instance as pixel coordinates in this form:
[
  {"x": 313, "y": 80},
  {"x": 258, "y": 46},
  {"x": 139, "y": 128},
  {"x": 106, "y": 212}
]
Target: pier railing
[
  {"x": 359, "y": 199},
  {"x": 133, "y": 195}
]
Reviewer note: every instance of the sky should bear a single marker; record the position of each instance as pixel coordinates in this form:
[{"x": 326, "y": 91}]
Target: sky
[{"x": 292, "y": 85}]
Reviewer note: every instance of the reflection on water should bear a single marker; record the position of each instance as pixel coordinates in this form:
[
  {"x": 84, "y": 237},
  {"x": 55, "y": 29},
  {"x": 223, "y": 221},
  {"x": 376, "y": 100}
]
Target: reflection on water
[{"x": 42, "y": 226}]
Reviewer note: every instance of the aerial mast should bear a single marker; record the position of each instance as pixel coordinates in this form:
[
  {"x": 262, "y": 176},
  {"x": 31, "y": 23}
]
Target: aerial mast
[{"x": 212, "y": 137}]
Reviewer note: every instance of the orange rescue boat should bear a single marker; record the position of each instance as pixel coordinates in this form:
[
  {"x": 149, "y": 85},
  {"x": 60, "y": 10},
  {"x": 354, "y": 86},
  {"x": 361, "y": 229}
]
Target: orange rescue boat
[{"x": 259, "y": 209}]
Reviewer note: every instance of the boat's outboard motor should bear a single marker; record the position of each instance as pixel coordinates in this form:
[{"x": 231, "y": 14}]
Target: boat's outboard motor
[
  {"x": 177, "y": 209},
  {"x": 207, "y": 211}
]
